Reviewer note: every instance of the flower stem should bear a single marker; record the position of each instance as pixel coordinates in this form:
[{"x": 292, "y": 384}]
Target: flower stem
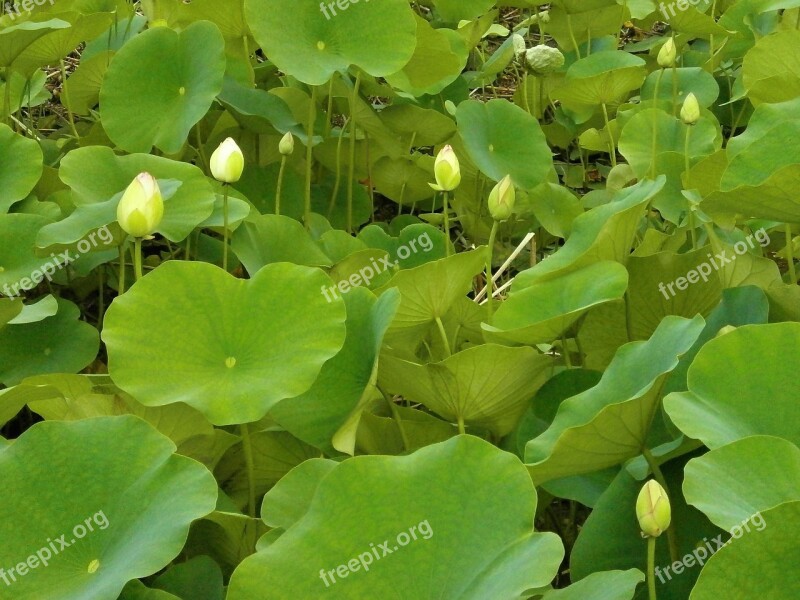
[
  {"x": 489, "y": 286},
  {"x": 671, "y": 538},
  {"x": 312, "y": 112},
  {"x": 65, "y": 99},
  {"x": 225, "y": 227},
  {"x": 280, "y": 186},
  {"x": 121, "y": 278},
  {"x": 612, "y": 143},
  {"x": 351, "y": 173},
  {"x": 443, "y": 333},
  {"x": 446, "y": 208},
  {"x": 651, "y": 568},
  {"x": 247, "y": 445},
  {"x": 790, "y": 255},
  {"x": 655, "y": 123},
  {"x": 137, "y": 257}
]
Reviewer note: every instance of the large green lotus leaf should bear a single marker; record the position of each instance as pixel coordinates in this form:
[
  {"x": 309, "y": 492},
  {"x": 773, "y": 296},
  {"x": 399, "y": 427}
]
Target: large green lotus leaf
[
  {"x": 22, "y": 88},
  {"x": 230, "y": 348},
  {"x": 653, "y": 294},
  {"x": 98, "y": 178},
  {"x": 116, "y": 475},
  {"x": 602, "y": 77},
  {"x": 729, "y": 375},
  {"x": 771, "y": 69},
  {"x": 14, "y": 39},
  {"x": 636, "y": 140},
  {"x": 381, "y": 434},
  {"x": 136, "y": 590},
  {"x": 425, "y": 126},
  {"x": 603, "y": 585},
  {"x": 84, "y": 84},
  {"x": 377, "y": 500},
  {"x": 728, "y": 484},
  {"x": 739, "y": 306},
  {"x": 290, "y": 498},
  {"x": 303, "y": 40},
  {"x": 164, "y": 82},
  {"x": 18, "y": 260},
  {"x": 622, "y": 406},
  {"x": 61, "y": 343},
  {"x": 541, "y": 313},
  {"x": 428, "y": 291},
  {"x": 402, "y": 180},
  {"x": 10, "y": 309},
  {"x": 605, "y": 232},
  {"x": 20, "y": 166},
  {"x": 316, "y": 415},
  {"x": 265, "y": 239},
  {"x": 502, "y": 139},
  {"x": 274, "y": 454},
  {"x": 54, "y": 46},
  {"x": 694, "y": 22},
  {"x": 611, "y": 537},
  {"x": 762, "y": 563},
  {"x": 766, "y": 146},
  {"x": 438, "y": 60},
  {"x": 487, "y": 386},
  {"x": 583, "y": 20},
  {"x": 696, "y": 80}
]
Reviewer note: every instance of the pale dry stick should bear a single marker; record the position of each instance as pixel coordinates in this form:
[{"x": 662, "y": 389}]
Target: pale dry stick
[
  {"x": 499, "y": 291},
  {"x": 505, "y": 265}
]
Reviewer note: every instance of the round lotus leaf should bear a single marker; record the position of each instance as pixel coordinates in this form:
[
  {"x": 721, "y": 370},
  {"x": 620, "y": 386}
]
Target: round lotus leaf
[
  {"x": 411, "y": 527},
  {"x": 160, "y": 84},
  {"x": 104, "y": 501},
  {"x": 20, "y": 166},
  {"x": 313, "y": 40},
  {"x": 502, "y": 139},
  {"x": 231, "y": 348}
]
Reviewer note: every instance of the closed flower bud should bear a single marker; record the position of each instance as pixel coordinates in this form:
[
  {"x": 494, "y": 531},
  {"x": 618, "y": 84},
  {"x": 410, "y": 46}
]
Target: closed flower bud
[
  {"x": 667, "y": 54},
  {"x": 543, "y": 59},
  {"x": 653, "y": 509},
  {"x": 690, "y": 111},
  {"x": 141, "y": 207},
  {"x": 518, "y": 42},
  {"x": 286, "y": 146},
  {"x": 227, "y": 162},
  {"x": 502, "y": 198},
  {"x": 446, "y": 170}
]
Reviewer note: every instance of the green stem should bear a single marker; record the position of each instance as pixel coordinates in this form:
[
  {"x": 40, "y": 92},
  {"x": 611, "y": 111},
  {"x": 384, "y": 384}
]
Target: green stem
[
  {"x": 565, "y": 351},
  {"x": 396, "y": 416},
  {"x": 247, "y": 445},
  {"x": 612, "y": 143},
  {"x": 225, "y": 227},
  {"x": 280, "y": 186},
  {"x": 790, "y": 255},
  {"x": 461, "y": 428},
  {"x": 200, "y": 151},
  {"x": 7, "y": 95},
  {"x": 137, "y": 257},
  {"x": 121, "y": 277},
  {"x": 351, "y": 174},
  {"x": 443, "y": 333},
  {"x": 651, "y": 568},
  {"x": 671, "y": 538},
  {"x": 628, "y": 316},
  {"x": 572, "y": 36},
  {"x": 337, "y": 184},
  {"x": 65, "y": 98},
  {"x": 489, "y": 285},
  {"x": 688, "y": 165},
  {"x": 675, "y": 88},
  {"x": 655, "y": 123},
  {"x": 312, "y": 112},
  {"x": 446, "y": 223}
]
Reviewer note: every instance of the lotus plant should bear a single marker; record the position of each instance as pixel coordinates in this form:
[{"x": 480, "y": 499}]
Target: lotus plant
[
  {"x": 654, "y": 514},
  {"x": 447, "y": 171},
  {"x": 139, "y": 214},
  {"x": 227, "y": 165}
]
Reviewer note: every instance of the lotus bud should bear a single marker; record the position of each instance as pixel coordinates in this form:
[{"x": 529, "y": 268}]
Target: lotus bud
[
  {"x": 690, "y": 111},
  {"x": 501, "y": 199},
  {"x": 447, "y": 170},
  {"x": 286, "y": 145},
  {"x": 543, "y": 59},
  {"x": 653, "y": 509},
  {"x": 544, "y": 17},
  {"x": 667, "y": 54},
  {"x": 141, "y": 207},
  {"x": 227, "y": 162},
  {"x": 518, "y": 42}
]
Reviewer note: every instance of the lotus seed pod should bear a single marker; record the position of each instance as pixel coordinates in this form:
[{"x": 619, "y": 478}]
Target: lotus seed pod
[
  {"x": 227, "y": 162},
  {"x": 286, "y": 145},
  {"x": 690, "y": 111},
  {"x": 667, "y": 54},
  {"x": 502, "y": 198},
  {"x": 141, "y": 207},
  {"x": 447, "y": 170},
  {"x": 653, "y": 509},
  {"x": 542, "y": 59}
]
